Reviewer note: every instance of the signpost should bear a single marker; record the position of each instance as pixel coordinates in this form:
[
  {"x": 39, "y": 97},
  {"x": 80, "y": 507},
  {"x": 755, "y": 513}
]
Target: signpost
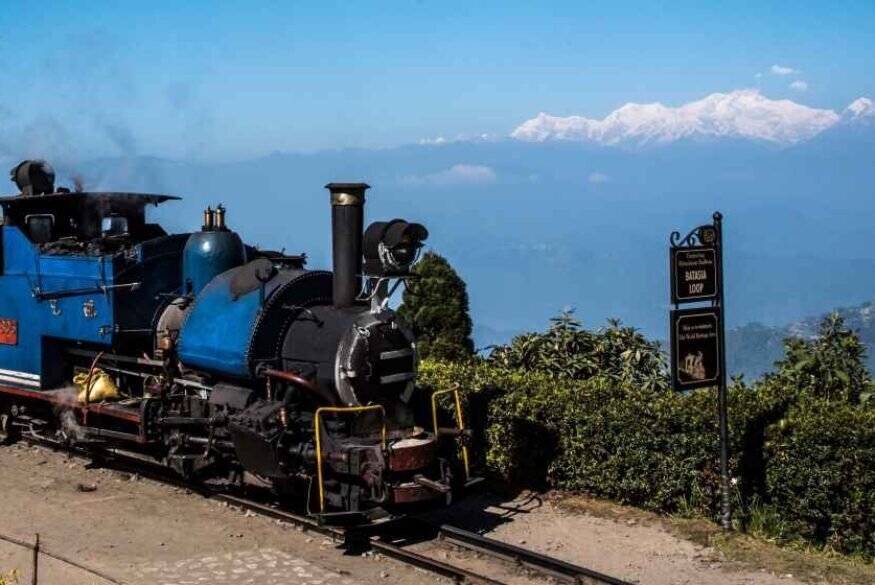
[{"x": 698, "y": 348}]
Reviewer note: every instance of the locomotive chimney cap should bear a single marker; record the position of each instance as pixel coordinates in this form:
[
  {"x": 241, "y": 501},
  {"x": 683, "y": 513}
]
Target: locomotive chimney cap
[{"x": 347, "y": 193}]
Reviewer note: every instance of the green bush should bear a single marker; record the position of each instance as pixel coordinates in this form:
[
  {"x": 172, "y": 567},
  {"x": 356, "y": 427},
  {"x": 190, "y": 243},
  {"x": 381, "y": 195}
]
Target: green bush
[
  {"x": 821, "y": 474},
  {"x": 802, "y": 451},
  {"x": 609, "y": 438}
]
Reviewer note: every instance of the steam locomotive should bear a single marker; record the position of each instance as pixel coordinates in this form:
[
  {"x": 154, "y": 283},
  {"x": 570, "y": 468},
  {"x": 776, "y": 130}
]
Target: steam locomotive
[{"x": 218, "y": 359}]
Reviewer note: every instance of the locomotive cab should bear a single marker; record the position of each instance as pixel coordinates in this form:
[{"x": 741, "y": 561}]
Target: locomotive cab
[{"x": 79, "y": 269}]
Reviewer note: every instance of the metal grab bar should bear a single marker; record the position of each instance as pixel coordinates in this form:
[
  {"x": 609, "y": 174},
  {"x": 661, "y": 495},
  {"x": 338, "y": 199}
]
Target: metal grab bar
[
  {"x": 460, "y": 422},
  {"x": 342, "y": 409},
  {"x": 40, "y": 295}
]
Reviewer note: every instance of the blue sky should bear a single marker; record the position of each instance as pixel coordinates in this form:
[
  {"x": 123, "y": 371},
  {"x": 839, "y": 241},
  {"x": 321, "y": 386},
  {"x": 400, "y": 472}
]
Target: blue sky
[{"x": 232, "y": 80}]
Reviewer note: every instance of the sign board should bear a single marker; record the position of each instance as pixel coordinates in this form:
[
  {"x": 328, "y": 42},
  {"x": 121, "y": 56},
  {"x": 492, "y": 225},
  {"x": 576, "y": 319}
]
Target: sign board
[
  {"x": 695, "y": 348},
  {"x": 693, "y": 274}
]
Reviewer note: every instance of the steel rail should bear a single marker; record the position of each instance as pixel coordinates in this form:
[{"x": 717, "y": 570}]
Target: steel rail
[
  {"x": 530, "y": 559},
  {"x": 458, "y": 574},
  {"x": 408, "y": 557}
]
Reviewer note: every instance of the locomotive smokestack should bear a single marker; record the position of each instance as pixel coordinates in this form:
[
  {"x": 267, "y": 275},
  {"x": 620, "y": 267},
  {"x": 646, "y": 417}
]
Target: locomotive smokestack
[{"x": 347, "y": 223}]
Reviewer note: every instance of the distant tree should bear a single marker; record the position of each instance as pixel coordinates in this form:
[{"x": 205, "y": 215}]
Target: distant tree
[{"x": 435, "y": 305}]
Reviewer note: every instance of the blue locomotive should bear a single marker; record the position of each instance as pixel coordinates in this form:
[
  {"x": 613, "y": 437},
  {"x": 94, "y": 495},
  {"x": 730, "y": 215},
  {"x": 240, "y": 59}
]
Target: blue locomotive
[{"x": 218, "y": 359}]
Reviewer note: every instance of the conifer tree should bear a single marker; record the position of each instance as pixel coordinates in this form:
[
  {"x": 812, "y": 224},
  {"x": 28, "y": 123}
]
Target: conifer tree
[{"x": 435, "y": 305}]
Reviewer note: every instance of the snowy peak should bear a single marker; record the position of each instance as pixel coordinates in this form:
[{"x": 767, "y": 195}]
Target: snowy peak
[{"x": 744, "y": 113}]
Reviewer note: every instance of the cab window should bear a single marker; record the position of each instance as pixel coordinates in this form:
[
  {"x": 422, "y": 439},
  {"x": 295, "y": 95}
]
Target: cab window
[
  {"x": 114, "y": 225},
  {"x": 40, "y": 227}
]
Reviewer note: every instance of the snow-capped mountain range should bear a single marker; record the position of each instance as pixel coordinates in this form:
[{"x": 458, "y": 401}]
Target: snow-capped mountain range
[{"x": 744, "y": 113}]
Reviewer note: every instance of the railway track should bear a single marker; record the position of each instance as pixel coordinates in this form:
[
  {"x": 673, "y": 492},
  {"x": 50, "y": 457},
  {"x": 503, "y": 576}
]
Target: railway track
[
  {"x": 456, "y": 573},
  {"x": 534, "y": 561},
  {"x": 556, "y": 569}
]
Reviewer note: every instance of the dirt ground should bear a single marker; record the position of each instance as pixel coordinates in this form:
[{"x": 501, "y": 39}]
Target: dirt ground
[
  {"x": 623, "y": 547},
  {"x": 143, "y": 532},
  {"x": 139, "y": 531}
]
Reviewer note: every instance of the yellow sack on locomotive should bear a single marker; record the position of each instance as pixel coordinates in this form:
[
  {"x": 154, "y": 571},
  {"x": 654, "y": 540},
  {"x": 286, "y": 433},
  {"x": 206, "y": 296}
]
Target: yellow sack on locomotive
[{"x": 102, "y": 387}]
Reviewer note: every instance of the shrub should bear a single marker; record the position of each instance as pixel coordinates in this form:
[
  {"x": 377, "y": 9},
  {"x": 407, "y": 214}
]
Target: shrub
[
  {"x": 603, "y": 436},
  {"x": 820, "y": 473},
  {"x": 567, "y": 351},
  {"x": 592, "y": 412}
]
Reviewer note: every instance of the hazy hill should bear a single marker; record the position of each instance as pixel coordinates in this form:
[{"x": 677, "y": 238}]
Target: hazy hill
[{"x": 753, "y": 349}]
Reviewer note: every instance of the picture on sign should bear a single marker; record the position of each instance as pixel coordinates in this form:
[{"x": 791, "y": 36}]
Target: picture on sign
[
  {"x": 693, "y": 274},
  {"x": 695, "y": 348}
]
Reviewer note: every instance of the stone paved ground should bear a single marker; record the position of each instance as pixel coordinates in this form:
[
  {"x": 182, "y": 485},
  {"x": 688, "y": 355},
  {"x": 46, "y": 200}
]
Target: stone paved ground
[{"x": 255, "y": 567}]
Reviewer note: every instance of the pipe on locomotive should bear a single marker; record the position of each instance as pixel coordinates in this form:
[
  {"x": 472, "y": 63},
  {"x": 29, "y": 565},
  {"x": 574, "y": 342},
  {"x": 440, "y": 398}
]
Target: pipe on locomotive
[
  {"x": 301, "y": 382},
  {"x": 347, "y": 229}
]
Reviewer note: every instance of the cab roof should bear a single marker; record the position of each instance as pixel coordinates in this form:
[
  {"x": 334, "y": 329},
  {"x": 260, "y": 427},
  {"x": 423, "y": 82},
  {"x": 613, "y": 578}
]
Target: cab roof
[{"x": 54, "y": 199}]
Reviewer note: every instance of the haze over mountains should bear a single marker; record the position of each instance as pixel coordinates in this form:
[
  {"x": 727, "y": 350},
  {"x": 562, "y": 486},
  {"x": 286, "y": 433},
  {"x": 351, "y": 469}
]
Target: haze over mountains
[{"x": 574, "y": 212}]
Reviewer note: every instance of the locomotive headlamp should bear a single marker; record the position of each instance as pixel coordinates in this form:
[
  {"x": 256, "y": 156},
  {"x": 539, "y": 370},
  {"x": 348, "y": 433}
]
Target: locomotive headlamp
[
  {"x": 34, "y": 177},
  {"x": 391, "y": 247}
]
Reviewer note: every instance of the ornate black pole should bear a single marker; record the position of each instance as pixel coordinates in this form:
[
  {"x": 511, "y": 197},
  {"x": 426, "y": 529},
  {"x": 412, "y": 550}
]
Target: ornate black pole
[
  {"x": 698, "y": 341},
  {"x": 726, "y": 511}
]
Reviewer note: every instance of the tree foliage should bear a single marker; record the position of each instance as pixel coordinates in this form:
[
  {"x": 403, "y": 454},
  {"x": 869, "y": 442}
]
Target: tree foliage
[
  {"x": 436, "y": 307},
  {"x": 830, "y": 366},
  {"x": 568, "y": 351}
]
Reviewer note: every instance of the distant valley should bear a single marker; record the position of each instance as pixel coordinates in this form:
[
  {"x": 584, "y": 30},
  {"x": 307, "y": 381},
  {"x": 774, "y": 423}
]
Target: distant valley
[{"x": 753, "y": 349}]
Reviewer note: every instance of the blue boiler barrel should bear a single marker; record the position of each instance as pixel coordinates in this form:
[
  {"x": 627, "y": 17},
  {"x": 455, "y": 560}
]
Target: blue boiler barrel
[
  {"x": 217, "y": 330},
  {"x": 240, "y": 318}
]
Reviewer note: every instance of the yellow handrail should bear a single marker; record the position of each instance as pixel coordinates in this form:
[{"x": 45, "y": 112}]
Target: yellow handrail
[
  {"x": 341, "y": 409},
  {"x": 459, "y": 420}
]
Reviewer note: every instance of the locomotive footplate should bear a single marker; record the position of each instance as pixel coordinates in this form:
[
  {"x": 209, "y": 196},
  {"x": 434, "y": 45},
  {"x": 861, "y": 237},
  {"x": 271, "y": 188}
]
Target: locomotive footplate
[{"x": 61, "y": 399}]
